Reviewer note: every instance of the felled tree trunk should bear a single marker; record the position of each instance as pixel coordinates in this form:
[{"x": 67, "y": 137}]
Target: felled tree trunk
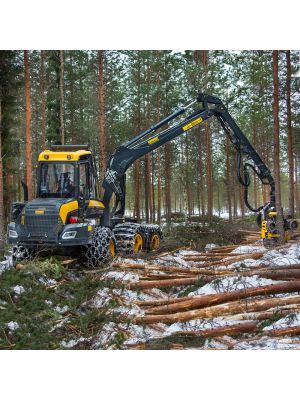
[
  {"x": 230, "y": 330},
  {"x": 236, "y": 307},
  {"x": 219, "y": 298}
]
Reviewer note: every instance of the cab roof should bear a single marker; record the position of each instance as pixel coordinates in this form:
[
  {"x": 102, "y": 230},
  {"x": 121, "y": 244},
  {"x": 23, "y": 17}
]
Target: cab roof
[{"x": 68, "y": 156}]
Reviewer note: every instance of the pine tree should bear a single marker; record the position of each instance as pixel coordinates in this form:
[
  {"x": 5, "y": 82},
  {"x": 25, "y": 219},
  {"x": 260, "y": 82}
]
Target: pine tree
[
  {"x": 28, "y": 150},
  {"x": 277, "y": 148},
  {"x": 43, "y": 98},
  {"x": 2, "y": 216},
  {"x": 289, "y": 133},
  {"x": 61, "y": 93},
  {"x": 102, "y": 156}
]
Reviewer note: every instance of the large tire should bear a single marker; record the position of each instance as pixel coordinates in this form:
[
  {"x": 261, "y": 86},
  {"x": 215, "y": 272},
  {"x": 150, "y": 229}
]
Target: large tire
[
  {"x": 102, "y": 250},
  {"x": 153, "y": 236},
  {"x": 130, "y": 238}
]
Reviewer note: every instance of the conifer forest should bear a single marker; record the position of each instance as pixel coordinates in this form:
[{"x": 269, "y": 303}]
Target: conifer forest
[
  {"x": 104, "y": 98},
  {"x": 217, "y": 274}
]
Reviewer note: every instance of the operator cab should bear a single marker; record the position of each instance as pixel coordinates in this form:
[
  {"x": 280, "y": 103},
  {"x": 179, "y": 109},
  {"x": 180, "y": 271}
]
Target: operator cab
[{"x": 67, "y": 172}]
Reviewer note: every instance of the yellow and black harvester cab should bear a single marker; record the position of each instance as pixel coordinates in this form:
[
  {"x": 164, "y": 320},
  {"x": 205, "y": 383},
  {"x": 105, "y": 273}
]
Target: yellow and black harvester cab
[{"x": 68, "y": 214}]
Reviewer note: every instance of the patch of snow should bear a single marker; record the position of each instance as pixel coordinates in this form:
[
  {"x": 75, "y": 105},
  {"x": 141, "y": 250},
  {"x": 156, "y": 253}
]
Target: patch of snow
[
  {"x": 107, "y": 334},
  {"x": 187, "y": 253},
  {"x": 130, "y": 311},
  {"x": 266, "y": 343},
  {"x": 140, "y": 334},
  {"x": 59, "y": 324},
  {"x": 231, "y": 283},
  {"x": 48, "y": 302},
  {"x": 248, "y": 249},
  {"x": 176, "y": 259},
  {"x": 6, "y": 264},
  {"x": 289, "y": 320},
  {"x": 12, "y": 325},
  {"x": 46, "y": 281},
  {"x": 61, "y": 310},
  {"x": 210, "y": 246},
  {"x": 124, "y": 276},
  {"x": 18, "y": 289},
  {"x": 71, "y": 343}
]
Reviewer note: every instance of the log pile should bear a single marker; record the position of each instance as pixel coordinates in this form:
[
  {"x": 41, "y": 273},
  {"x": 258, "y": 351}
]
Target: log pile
[{"x": 247, "y": 310}]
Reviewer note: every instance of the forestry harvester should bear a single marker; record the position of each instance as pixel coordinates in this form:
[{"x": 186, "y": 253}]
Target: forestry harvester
[{"x": 69, "y": 217}]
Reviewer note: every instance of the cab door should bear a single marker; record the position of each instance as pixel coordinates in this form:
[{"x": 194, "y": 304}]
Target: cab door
[{"x": 88, "y": 193}]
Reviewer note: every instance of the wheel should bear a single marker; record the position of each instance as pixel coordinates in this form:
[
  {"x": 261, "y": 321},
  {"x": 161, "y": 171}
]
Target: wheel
[
  {"x": 154, "y": 242},
  {"x": 22, "y": 253},
  {"x": 102, "y": 250},
  {"x": 130, "y": 238},
  {"x": 153, "y": 235}
]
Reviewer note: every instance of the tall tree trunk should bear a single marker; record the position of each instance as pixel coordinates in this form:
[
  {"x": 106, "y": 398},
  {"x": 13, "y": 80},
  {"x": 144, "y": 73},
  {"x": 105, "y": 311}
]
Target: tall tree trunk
[
  {"x": 2, "y": 219},
  {"x": 102, "y": 158},
  {"x": 158, "y": 187},
  {"x": 228, "y": 178},
  {"x": 73, "y": 131},
  {"x": 137, "y": 202},
  {"x": 168, "y": 181},
  {"x": 43, "y": 99},
  {"x": 28, "y": 151},
  {"x": 208, "y": 153},
  {"x": 61, "y": 92},
  {"x": 277, "y": 148},
  {"x": 255, "y": 177},
  {"x": 289, "y": 133},
  {"x": 158, "y": 150},
  {"x": 147, "y": 191}
]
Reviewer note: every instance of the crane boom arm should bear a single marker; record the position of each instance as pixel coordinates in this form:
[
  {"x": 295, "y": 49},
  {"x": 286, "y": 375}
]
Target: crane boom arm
[{"x": 149, "y": 140}]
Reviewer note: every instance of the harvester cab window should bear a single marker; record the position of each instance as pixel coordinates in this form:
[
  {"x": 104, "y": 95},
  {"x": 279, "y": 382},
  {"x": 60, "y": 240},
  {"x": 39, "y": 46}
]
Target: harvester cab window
[
  {"x": 83, "y": 181},
  {"x": 57, "y": 180}
]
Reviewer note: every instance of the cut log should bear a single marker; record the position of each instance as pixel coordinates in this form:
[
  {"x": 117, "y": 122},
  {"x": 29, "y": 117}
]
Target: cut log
[
  {"x": 253, "y": 256},
  {"x": 232, "y": 308},
  {"x": 260, "y": 316},
  {"x": 230, "y": 330},
  {"x": 291, "y": 331},
  {"x": 219, "y": 298},
  {"x": 166, "y": 268},
  {"x": 170, "y": 282}
]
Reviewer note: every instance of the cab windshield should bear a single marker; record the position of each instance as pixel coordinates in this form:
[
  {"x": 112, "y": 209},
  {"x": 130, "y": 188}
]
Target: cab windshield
[{"x": 57, "y": 180}]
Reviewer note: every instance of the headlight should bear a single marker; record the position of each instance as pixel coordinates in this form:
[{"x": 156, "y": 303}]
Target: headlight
[
  {"x": 69, "y": 235},
  {"x": 12, "y": 234}
]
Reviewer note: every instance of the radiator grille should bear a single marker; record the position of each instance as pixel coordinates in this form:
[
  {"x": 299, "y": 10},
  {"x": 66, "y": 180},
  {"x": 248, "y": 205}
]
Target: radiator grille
[{"x": 42, "y": 227}]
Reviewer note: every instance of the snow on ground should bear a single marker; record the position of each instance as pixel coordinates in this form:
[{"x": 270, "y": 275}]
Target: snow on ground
[
  {"x": 106, "y": 295},
  {"x": 266, "y": 343},
  {"x": 71, "y": 343},
  {"x": 18, "y": 289},
  {"x": 210, "y": 246},
  {"x": 6, "y": 264},
  {"x": 248, "y": 249},
  {"x": 12, "y": 325},
  {"x": 290, "y": 320},
  {"x": 121, "y": 275},
  {"x": 46, "y": 281}
]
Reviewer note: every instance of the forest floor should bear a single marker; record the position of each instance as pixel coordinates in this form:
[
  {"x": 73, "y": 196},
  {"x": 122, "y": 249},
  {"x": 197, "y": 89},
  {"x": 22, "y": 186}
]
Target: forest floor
[{"x": 205, "y": 293}]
